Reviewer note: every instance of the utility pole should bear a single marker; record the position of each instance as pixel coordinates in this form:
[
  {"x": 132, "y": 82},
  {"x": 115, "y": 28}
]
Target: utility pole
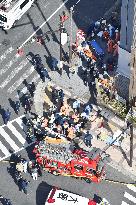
[
  {"x": 132, "y": 86},
  {"x": 71, "y": 39},
  {"x": 61, "y": 61},
  {"x": 132, "y": 94}
]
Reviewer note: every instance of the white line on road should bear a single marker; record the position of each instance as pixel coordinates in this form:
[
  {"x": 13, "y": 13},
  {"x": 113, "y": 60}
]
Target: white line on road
[
  {"x": 8, "y": 155},
  {"x": 9, "y": 50},
  {"x": 20, "y": 123},
  {"x": 20, "y": 80},
  {"x": 7, "y": 66},
  {"x": 8, "y": 139},
  {"x": 132, "y": 187},
  {"x": 124, "y": 203},
  {"x": 44, "y": 23},
  {"x": 13, "y": 73},
  {"x": 130, "y": 197},
  {"x": 16, "y": 119},
  {"x": 16, "y": 133},
  {"x": 4, "y": 149}
]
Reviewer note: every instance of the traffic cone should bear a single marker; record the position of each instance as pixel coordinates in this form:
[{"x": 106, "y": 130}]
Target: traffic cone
[{"x": 20, "y": 51}]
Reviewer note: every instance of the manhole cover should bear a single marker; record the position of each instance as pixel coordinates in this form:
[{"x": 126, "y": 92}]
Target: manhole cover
[{"x": 5, "y": 42}]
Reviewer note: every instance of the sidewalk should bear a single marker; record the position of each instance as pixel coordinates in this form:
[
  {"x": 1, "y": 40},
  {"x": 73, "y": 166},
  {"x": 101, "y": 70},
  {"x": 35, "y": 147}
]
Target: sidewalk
[{"x": 119, "y": 155}]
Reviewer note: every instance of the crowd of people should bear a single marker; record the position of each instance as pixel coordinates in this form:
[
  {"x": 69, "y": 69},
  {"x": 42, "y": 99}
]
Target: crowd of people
[
  {"x": 101, "y": 61},
  {"x": 64, "y": 121},
  {"x": 19, "y": 168}
]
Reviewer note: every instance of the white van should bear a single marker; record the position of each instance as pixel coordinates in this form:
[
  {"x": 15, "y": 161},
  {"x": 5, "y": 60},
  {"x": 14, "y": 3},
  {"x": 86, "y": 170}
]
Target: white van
[{"x": 12, "y": 10}]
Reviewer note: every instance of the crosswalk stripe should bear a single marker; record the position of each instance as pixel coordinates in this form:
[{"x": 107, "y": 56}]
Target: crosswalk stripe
[
  {"x": 124, "y": 203},
  {"x": 8, "y": 65},
  {"x": 132, "y": 187},
  {"x": 8, "y": 139},
  {"x": 13, "y": 73},
  {"x": 18, "y": 82},
  {"x": 20, "y": 123},
  {"x": 9, "y": 50},
  {"x": 130, "y": 197},
  {"x": 16, "y": 133},
  {"x": 4, "y": 149}
]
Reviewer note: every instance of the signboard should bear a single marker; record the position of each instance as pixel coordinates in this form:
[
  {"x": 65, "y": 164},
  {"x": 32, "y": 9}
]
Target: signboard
[
  {"x": 64, "y": 38},
  {"x": 62, "y": 197}
]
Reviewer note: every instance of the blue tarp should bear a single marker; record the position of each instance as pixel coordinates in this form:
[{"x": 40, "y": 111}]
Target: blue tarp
[{"x": 96, "y": 47}]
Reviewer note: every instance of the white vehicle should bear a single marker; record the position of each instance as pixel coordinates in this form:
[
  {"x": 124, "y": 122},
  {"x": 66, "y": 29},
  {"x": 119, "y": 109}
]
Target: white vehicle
[
  {"x": 61, "y": 197},
  {"x": 12, "y": 10}
]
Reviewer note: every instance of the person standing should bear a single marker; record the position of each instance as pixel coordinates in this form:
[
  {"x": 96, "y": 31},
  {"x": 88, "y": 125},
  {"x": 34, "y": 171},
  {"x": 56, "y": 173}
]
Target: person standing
[
  {"x": 17, "y": 107},
  {"x": 7, "y": 115},
  {"x": 54, "y": 63},
  {"x": 27, "y": 107},
  {"x": 110, "y": 46},
  {"x": 34, "y": 173},
  {"x": 117, "y": 35},
  {"x": 76, "y": 105},
  {"x": 115, "y": 52},
  {"x": 25, "y": 166},
  {"x": 44, "y": 74},
  {"x": 23, "y": 183},
  {"x": 87, "y": 139},
  {"x": 32, "y": 89}
]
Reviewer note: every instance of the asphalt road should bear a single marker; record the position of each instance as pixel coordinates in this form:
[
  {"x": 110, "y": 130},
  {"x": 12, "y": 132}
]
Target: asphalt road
[
  {"x": 39, "y": 189},
  {"x": 14, "y": 70}
]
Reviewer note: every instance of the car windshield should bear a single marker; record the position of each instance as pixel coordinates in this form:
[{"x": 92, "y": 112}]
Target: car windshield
[{"x": 3, "y": 18}]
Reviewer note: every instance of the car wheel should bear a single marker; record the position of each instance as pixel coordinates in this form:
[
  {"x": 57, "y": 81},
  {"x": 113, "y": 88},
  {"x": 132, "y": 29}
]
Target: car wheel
[{"x": 87, "y": 180}]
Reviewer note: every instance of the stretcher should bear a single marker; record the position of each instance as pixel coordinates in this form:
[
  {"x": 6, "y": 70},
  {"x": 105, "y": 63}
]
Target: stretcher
[{"x": 95, "y": 46}]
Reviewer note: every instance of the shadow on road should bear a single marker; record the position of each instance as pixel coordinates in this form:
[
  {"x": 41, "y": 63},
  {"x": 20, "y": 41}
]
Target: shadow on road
[
  {"x": 42, "y": 193},
  {"x": 2, "y": 111}
]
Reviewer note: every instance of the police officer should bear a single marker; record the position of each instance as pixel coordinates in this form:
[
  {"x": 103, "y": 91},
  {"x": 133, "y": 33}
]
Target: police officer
[
  {"x": 44, "y": 74},
  {"x": 7, "y": 115},
  {"x": 87, "y": 139},
  {"x": 17, "y": 107},
  {"x": 32, "y": 89}
]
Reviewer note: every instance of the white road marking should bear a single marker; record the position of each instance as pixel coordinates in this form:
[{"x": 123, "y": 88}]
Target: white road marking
[
  {"x": 9, "y": 50},
  {"x": 20, "y": 80},
  {"x": 4, "y": 149},
  {"x": 7, "y": 66},
  {"x": 27, "y": 145},
  {"x": 130, "y": 197},
  {"x": 44, "y": 23},
  {"x": 13, "y": 73},
  {"x": 132, "y": 187},
  {"x": 124, "y": 203},
  {"x": 20, "y": 123},
  {"x": 8, "y": 139},
  {"x": 16, "y": 119},
  {"x": 16, "y": 133}
]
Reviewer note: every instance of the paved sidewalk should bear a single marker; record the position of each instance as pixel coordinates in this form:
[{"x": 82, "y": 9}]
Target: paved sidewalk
[{"x": 119, "y": 155}]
